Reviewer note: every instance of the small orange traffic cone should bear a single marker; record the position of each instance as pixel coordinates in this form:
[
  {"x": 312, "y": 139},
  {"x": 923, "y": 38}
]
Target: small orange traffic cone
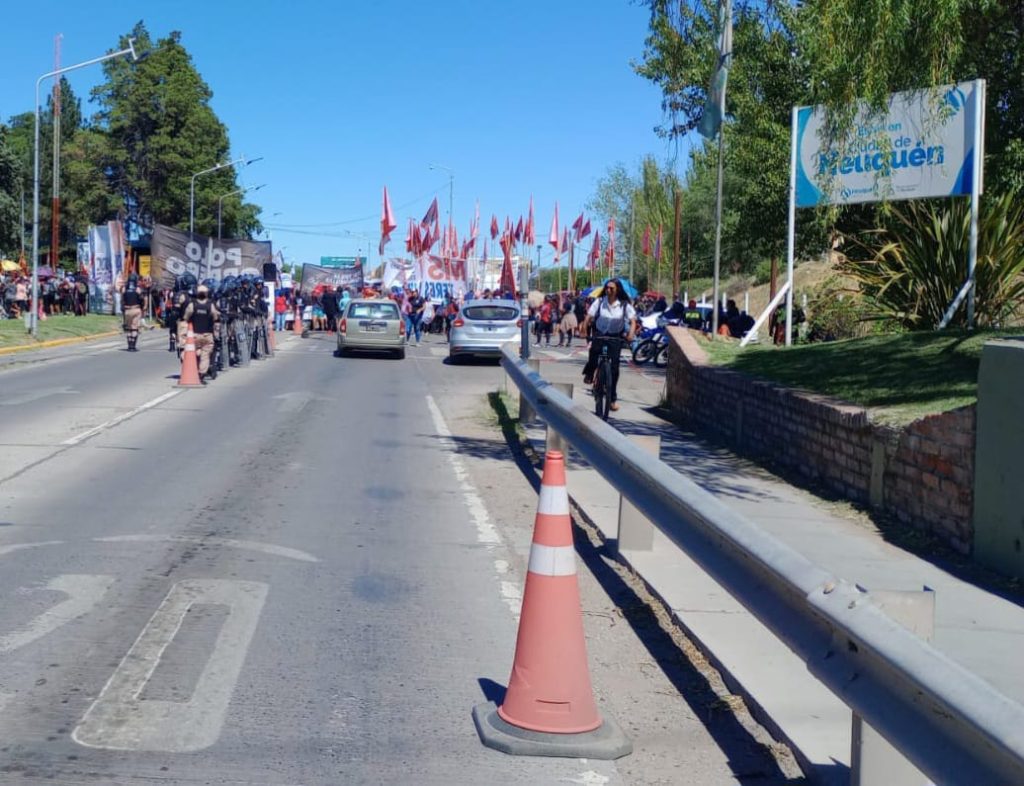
[
  {"x": 189, "y": 377},
  {"x": 297, "y": 324},
  {"x": 549, "y": 690},
  {"x": 549, "y": 707}
]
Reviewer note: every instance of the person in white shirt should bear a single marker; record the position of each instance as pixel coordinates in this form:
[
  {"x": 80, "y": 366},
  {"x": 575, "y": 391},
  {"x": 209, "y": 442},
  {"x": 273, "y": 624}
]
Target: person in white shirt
[{"x": 613, "y": 317}]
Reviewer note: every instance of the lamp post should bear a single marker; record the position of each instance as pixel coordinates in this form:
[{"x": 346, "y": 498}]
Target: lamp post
[
  {"x": 451, "y": 188},
  {"x": 192, "y": 191},
  {"x": 222, "y": 197},
  {"x": 130, "y": 50}
]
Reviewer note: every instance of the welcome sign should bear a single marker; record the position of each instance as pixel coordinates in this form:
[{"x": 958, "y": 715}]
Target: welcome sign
[{"x": 922, "y": 146}]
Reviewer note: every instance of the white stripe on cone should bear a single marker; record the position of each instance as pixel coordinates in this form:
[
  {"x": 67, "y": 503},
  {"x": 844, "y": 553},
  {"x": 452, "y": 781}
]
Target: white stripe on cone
[
  {"x": 554, "y": 501},
  {"x": 552, "y": 560}
]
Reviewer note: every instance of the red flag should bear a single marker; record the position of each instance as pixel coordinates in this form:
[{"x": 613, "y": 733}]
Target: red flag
[
  {"x": 585, "y": 231},
  {"x": 508, "y": 279},
  {"x": 494, "y": 226},
  {"x": 611, "y": 244},
  {"x": 595, "y": 251},
  {"x": 387, "y": 221},
  {"x": 646, "y": 247},
  {"x": 431, "y": 215},
  {"x": 553, "y": 237},
  {"x": 577, "y": 227},
  {"x": 474, "y": 230},
  {"x": 417, "y": 240},
  {"x": 427, "y": 242},
  {"x": 657, "y": 246},
  {"x": 519, "y": 230},
  {"x": 531, "y": 235},
  {"x": 565, "y": 240},
  {"x": 408, "y": 238}
]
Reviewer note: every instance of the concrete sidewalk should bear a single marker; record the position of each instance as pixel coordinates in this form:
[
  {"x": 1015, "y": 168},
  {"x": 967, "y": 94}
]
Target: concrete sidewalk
[{"x": 982, "y": 631}]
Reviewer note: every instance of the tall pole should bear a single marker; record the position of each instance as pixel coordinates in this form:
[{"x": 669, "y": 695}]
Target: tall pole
[
  {"x": 34, "y": 319},
  {"x": 572, "y": 276},
  {"x": 978, "y": 161},
  {"x": 678, "y": 245},
  {"x": 192, "y": 188},
  {"x": 718, "y": 236},
  {"x": 632, "y": 232},
  {"x": 791, "y": 235},
  {"x": 55, "y": 204}
]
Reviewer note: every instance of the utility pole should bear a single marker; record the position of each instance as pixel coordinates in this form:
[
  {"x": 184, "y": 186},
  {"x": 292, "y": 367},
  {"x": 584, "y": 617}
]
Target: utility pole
[
  {"x": 632, "y": 233},
  {"x": 678, "y": 246},
  {"x": 55, "y": 204}
]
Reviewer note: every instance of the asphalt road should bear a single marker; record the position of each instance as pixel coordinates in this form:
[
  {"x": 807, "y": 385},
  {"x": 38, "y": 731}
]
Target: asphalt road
[{"x": 304, "y": 573}]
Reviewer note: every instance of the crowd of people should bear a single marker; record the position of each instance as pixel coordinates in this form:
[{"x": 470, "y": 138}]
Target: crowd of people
[{"x": 66, "y": 295}]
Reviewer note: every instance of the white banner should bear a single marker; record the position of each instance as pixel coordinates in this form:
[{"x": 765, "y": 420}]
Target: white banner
[{"x": 922, "y": 146}]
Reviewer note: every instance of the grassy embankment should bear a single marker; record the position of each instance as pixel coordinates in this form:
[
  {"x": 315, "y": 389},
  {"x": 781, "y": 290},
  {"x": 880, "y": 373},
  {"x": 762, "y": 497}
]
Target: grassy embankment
[
  {"x": 900, "y": 378},
  {"x": 13, "y": 333}
]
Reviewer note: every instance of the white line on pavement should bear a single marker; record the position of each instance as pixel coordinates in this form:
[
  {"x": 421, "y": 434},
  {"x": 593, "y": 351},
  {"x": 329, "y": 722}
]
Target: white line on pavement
[
  {"x": 119, "y": 419},
  {"x": 485, "y": 531},
  {"x": 266, "y": 548},
  {"x": 83, "y": 592},
  {"x": 120, "y": 720},
  {"x": 19, "y": 546}
]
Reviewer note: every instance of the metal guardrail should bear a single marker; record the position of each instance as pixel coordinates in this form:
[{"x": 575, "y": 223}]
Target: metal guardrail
[{"x": 954, "y": 726}]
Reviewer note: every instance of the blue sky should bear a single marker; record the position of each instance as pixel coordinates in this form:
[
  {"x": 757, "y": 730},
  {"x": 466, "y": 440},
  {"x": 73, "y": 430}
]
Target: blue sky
[{"x": 342, "y": 98}]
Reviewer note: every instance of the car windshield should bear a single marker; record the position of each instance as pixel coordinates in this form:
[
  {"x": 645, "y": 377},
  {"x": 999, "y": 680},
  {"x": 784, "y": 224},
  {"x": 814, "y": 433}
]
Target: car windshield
[
  {"x": 381, "y": 310},
  {"x": 505, "y": 313}
]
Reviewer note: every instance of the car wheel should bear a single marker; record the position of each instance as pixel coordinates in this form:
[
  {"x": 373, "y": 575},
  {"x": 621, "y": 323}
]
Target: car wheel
[
  {"x": 400, "y": 353},
  {"x": 453, "y": 359}
]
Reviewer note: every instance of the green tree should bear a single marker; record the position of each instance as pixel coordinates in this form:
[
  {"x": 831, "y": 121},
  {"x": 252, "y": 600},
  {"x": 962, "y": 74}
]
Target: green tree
[
  {"x": 10, "y": 195},
  {"x": 161, "y": 131}
]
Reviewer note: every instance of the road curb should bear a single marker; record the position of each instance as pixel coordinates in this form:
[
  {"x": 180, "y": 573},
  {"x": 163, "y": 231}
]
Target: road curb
[{"x": 57, "y": 342}]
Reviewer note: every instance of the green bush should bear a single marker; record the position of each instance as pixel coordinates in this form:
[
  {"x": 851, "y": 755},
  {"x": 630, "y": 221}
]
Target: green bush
[
  {"x": 835, "y": 313},
  {"x": 912, "y": 267}
]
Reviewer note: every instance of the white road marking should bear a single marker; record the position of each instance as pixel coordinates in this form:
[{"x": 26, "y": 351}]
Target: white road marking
[
  {"x": 588, "y": 778},
  {"x": 83, "y": 592},
  {"x": 120, "y": 720},
  {"x": 35, "y": 395},
  {"x": 511, "y": 594},
  {"x": 19, "y": 546},
  {"x": 266, "y": 548},
  {"x": 120, "y": 418},
  {"x": 485, "y": 531}
]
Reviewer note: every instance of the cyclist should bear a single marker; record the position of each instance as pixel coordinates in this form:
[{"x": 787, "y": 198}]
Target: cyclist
[{"x": 613, "y": 317}]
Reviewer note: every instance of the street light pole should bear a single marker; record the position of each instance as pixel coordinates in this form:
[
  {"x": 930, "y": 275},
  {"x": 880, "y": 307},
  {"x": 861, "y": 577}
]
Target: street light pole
[
  {"x": 451, "y": 188},
  {"x": 130, "y": 50},
  {"x": 220, "y": 203},
  {"x": 192, "y": 190}
]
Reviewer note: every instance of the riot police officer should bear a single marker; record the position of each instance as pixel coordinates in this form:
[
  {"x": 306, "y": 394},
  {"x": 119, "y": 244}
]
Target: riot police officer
[
  {"x": 131, "y": 301},
  {"x": 186, "y": 286},
  {"x": 203, "y": 315}
]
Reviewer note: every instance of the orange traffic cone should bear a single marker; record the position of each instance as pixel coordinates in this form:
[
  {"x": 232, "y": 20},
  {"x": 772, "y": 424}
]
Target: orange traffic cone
[
  {"x": 297, "y": 324},
  {"x": 549, "y": 707},
  {"x": 189, "y": 377},
  {"x": 549, "y": 689}
]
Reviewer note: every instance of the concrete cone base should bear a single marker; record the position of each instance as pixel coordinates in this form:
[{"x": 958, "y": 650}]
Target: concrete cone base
[{"x": 607, "y": 741}]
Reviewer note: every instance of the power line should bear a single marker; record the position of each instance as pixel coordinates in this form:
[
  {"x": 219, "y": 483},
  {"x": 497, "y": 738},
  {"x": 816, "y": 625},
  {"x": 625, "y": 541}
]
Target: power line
[{"x": 371, "y": 217}]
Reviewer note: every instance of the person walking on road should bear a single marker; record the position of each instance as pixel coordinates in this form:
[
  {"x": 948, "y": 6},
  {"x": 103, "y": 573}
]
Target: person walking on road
[
  {"x": 280, "y": 309},
  {"x": 131, "y": 301},
  {"x": 612, "y": 316},
  {"x": 204, "y": 316}
]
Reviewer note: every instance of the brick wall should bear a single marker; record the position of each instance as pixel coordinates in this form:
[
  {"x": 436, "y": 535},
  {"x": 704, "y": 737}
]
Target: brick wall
[{"x": 922, "y": 474}]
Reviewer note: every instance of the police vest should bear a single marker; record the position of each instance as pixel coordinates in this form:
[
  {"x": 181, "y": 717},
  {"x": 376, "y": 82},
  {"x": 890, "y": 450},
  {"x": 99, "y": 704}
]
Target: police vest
[
  {"x": 692, "y": 316},
  {"x": 131, "y": 298},
  {"x": 202, "y": 317}
]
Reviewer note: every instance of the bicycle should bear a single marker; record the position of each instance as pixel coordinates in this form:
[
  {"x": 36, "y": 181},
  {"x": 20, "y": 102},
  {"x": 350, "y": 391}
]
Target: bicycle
[{"x": 603, "y": 377}]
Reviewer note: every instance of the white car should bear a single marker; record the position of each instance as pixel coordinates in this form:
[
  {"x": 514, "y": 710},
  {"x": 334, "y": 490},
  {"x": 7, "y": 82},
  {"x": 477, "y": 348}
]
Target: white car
[{"x": 483, "y": 327}]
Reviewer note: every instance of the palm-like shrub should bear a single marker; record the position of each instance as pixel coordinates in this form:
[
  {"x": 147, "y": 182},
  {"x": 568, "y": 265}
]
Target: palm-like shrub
[{"x": 911, "y": 268}]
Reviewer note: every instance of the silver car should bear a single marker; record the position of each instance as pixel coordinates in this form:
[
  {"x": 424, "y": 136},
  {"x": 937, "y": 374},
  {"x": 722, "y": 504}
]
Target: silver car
[
  {"x": 373, "y": 324},
  {"x": 483, "y": 327}
]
